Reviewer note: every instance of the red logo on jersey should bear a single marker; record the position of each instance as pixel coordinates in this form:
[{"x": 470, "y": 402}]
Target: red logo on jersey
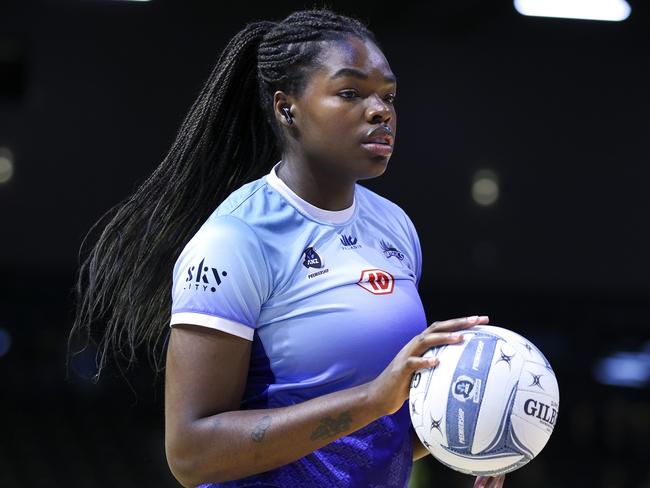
[{"x": 376, "y": 281}]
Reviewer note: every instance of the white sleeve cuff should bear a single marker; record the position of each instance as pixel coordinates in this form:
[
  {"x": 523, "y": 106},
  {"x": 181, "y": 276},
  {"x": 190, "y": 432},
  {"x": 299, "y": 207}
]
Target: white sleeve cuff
[{"x": 218, "y": 323}]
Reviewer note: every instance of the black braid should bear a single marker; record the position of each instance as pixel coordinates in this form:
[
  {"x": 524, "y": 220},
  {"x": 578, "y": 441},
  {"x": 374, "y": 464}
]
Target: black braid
[{"x": 229, "y": 137}]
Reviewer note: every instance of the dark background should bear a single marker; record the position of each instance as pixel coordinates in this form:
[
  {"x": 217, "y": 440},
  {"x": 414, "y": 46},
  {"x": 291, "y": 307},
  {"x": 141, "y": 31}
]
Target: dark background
[{"x": 93, "y": 92}]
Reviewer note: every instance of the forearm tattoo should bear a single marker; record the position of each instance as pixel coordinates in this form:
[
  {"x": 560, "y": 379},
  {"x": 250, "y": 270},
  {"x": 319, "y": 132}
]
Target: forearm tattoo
[
  {"x": 260, "y": 429},
  {"x": 329, "y": 427}
]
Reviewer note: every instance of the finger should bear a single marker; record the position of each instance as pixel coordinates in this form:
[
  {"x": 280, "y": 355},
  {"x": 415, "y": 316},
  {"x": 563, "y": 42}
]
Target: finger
[
  {"x": 501, "y": 480},
  {"x": 425, "y": 342},
  {"x": 415, "y": 363},
  {"x": 495, "y": 481},
  {"x": 480, "y": 482},
  {"x": 483, "y": 320},
  {"x": 457, "y": 324}
]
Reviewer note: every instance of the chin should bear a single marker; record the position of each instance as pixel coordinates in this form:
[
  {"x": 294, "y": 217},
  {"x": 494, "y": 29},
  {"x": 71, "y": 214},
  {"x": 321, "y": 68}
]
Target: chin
[{"x": 377, "y": 168}]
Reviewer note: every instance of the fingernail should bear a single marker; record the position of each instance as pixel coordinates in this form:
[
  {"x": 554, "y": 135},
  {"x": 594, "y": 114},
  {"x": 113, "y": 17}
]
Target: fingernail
[
  {"x": 455, "y": 336},
  {"x": 484, "y": 317},
  {"x": 473, "y": 318}
]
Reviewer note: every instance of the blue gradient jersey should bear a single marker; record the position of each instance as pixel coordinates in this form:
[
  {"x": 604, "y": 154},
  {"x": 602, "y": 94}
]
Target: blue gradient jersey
[{"x": 328, "y": 299}]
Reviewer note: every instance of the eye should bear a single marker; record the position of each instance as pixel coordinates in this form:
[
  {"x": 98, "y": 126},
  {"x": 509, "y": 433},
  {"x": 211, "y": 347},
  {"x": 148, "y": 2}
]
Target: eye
[
  {"x": 390, "y": 98},
  {"x": 349, "y": 94}
]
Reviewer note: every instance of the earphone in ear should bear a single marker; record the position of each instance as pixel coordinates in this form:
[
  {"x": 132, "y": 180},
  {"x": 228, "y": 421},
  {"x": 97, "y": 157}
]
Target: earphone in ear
[{"x": 287, "y": 115}]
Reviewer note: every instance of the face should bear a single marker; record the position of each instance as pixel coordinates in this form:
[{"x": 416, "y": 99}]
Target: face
[{"x": 345, "y": 118}]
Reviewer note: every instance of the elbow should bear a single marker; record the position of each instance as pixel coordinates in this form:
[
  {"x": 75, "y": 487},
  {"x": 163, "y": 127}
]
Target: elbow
[
  {"x": 186, "y": 466},
  {"x": 181, "y": 468},
  {"x": 183, "y": 464}
]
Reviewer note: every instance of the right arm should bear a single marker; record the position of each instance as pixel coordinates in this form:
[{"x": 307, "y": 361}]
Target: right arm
[{"x": 207, "y": 439}]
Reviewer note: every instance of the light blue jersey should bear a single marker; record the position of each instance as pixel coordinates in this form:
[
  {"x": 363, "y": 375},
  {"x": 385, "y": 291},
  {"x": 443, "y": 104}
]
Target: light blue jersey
[{"x": 328, "y": 299}]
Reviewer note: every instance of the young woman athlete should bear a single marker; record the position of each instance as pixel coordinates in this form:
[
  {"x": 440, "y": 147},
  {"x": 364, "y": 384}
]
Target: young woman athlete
[{"x": 296, "y": 324}]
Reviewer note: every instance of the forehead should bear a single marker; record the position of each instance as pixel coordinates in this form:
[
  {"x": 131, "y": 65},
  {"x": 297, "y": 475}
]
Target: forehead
[{"x": 352, "y": 52}]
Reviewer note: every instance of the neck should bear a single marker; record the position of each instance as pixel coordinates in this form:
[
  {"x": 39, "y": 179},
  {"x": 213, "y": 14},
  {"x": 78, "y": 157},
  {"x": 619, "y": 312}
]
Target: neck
[{"x": 322, "y": 189}]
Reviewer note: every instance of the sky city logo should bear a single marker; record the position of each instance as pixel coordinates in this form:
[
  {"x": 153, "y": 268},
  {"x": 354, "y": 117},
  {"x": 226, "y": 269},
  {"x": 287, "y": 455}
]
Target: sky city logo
[{"x": 207, "y": 278}]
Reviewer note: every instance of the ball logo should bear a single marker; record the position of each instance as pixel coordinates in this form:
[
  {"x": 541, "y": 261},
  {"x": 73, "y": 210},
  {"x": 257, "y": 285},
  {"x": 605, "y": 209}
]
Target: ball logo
[
  {"x": 506, "y": 359},
  {"x": 465, "y": 388},
  {"x": 546, "y": 413},
  {"x": 536, "y": 380},
  {"x": 435, "y": 424},
  {"x": 376, "y": 281}
]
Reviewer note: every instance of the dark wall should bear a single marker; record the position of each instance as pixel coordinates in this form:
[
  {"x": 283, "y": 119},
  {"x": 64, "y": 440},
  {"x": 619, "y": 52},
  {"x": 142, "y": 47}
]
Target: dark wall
[
  {"x": 558, "y": 109},
  {"x": 91, "y": 96}
]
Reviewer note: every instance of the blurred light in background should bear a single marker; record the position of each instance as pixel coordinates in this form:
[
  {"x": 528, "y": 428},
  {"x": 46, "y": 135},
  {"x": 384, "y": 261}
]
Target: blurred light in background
[
  {"x": 611, "y": 10},
  {"x": 6, "y": 165},
  {"x": 485, "y": 187},
  {"x": 630, "y": 369},
  {"x": 5, "y": 341}
]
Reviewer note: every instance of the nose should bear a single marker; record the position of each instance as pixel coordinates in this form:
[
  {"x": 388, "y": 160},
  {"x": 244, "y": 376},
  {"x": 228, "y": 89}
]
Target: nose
[{"x": 378, "y": 110}]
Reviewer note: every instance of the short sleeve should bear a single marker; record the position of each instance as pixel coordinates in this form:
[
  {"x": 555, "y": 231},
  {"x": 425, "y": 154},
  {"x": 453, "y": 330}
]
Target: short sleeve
[
  {"x": 221, "y": 278},
  {"x": 417, "y": 250}
]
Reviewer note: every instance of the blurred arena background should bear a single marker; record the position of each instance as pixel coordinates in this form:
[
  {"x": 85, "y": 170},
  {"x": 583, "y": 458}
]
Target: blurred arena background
[{"x": 522, "y": 157}]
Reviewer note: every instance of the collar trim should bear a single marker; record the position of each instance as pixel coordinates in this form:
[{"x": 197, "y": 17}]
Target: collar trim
[{"x": 328, "y": 216}]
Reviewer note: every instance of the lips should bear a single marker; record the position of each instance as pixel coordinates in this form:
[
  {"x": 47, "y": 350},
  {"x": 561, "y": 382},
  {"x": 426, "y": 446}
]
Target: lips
[{"x": 380, "y": 135}]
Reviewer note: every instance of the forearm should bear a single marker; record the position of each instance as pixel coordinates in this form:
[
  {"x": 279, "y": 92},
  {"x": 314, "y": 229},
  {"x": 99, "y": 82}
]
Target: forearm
[{"x": 236, "y": 444}]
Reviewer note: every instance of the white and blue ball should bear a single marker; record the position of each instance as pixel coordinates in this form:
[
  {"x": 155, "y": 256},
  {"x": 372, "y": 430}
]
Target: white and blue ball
[{"x": 491, "y": 404}]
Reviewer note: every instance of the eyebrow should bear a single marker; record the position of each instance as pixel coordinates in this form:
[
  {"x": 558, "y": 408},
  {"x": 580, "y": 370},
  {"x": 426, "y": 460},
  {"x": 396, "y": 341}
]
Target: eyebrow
[{"x": 359, "y": 74}]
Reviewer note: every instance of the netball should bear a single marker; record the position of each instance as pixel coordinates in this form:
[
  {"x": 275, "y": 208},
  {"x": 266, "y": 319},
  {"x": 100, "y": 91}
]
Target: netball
[{"x": 491, "y": 404}]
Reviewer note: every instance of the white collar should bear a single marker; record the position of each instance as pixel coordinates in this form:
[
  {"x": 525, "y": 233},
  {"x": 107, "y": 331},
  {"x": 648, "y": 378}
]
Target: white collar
[{"x": 329, "y": 216}]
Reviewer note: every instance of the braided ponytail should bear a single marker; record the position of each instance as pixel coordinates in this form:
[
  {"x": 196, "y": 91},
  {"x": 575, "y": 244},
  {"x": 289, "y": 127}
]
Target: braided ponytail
[{"x": 229, "y": 137}]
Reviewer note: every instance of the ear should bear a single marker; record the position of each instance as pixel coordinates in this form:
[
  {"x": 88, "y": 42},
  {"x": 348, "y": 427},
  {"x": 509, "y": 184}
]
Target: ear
[{"x": 283, "y": 101}]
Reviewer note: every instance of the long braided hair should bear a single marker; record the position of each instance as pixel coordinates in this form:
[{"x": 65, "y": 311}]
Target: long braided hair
[{"x": 229, "y": 137}]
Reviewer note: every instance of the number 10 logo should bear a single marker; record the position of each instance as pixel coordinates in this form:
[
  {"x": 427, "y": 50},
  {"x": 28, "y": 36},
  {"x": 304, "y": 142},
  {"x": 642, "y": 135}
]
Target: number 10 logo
[{"x": 376, "y": 281}]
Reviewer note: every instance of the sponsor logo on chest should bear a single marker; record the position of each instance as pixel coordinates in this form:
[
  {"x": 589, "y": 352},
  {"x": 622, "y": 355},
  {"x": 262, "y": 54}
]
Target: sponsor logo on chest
[
  {"x": 377, "y": 281},
  {"x": 311, "y": 259},
  {"x": 349, "y": 242},
  {"x": 391, "y": 251}
]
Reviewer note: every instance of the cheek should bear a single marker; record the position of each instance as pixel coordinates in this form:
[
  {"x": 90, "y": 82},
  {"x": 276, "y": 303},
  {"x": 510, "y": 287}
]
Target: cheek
[{"x": 332, "y": 122}]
